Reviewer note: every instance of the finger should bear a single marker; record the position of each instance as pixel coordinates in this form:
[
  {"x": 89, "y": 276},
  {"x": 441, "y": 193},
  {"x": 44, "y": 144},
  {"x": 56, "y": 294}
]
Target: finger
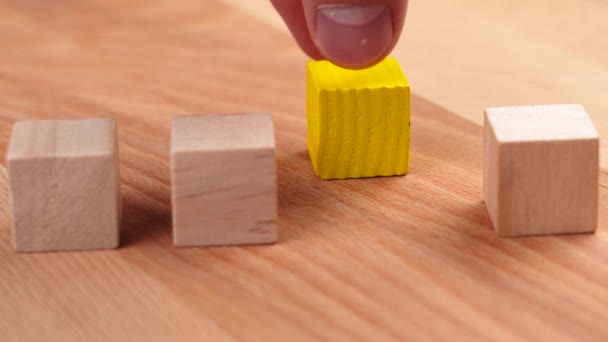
[
  {"x": 292, "y": 13},
  {"x": 354, "y": 33}
]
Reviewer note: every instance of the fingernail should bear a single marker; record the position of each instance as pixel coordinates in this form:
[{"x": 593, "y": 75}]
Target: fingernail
[{"x": 354, "y": 36}]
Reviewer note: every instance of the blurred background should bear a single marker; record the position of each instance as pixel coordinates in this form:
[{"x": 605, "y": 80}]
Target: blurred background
[{"x": 464, "y": 55}]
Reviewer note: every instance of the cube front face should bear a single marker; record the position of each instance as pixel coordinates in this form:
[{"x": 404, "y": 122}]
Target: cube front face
[
  {"x": 545, "y": 183},
  {"x": 547, "y": 188},
  {"x": 358, "y": 121},
  {"x": 224, "y": 196},
  {"x": 63, "y": 202}
]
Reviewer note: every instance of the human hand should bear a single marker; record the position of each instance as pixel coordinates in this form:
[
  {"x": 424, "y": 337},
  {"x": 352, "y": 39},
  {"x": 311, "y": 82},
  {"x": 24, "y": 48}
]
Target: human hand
[{"x": 349, "y": 33}]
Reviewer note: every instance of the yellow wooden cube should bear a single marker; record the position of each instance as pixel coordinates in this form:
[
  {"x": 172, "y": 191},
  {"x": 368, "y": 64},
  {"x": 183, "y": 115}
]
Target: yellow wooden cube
[{"x": 358, "y": 120}]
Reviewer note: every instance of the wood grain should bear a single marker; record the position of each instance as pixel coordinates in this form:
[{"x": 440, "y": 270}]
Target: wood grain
[
  {"x": 64, "y": 185},
  {"x": 541, "y": 170},
  {"x": 381, "y": 259},
  {"x": 223, "y": 179}
]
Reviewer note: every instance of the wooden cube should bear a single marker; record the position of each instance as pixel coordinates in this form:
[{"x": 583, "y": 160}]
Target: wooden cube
[
  {"x": 358, "y": 120},
  {"x": 541, "y": 170},
  {"x": 223, "y": 175},
  {"x": 64, "y": 185}
]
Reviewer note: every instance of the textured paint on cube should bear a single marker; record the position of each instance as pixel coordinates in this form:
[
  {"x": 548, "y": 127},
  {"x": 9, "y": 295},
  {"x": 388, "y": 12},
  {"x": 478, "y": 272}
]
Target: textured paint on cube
[
  {"x": 358, "y": 120},
  {"x": 64, "y": 184},
  {"x": 223, "y": 175},
  {"x": 541, "y": 170}
]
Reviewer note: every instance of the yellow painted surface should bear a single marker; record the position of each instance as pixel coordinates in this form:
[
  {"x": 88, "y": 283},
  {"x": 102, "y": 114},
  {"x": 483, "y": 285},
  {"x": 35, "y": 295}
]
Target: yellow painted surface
[{"x": 358, "y": 120}]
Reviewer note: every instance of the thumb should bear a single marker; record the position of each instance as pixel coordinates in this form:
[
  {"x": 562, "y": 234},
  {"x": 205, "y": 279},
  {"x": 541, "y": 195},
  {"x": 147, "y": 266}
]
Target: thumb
[{"x": 349, "y": 33}]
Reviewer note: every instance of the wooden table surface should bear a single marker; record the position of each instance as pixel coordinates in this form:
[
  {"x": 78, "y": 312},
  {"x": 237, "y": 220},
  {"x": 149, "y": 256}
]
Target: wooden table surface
[{"x": 373, "y": 259}]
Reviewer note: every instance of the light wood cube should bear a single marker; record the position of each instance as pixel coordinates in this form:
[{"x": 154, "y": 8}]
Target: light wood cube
[
  {"x": 223, "y": 175},
  {"x": 358, "y": 120},
  {"x": 64, "y": 185},
  {"x": 541, "y": 170}
]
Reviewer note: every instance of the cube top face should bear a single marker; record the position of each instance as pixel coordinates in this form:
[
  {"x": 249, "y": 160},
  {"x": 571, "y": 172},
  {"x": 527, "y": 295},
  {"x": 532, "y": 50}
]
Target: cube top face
[
  {"x": 358, "y": 120},
  {"x": 62, "y": 138},
  {"x": 541, "y": 123},
  {"x": 329, "y": 77},
  {"x": 222, "y": 132},
  {"x": 223, "y": 180}
]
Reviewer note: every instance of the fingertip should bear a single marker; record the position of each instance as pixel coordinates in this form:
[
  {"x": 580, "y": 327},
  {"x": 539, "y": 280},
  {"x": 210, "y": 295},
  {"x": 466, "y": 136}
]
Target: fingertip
[
  {"x": 354, "y": 34},
  {"x": 292, "y": 12}
]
